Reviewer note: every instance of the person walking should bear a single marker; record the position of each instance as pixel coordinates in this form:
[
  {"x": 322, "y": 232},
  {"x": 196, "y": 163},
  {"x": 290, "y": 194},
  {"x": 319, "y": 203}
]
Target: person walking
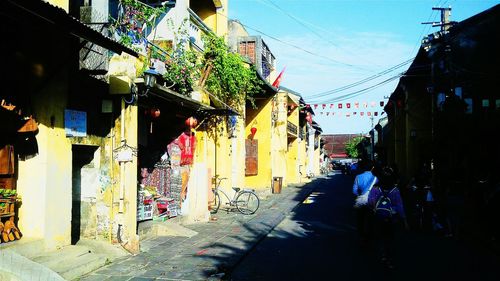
[
  {"x": 388, "y": 212},
  {"x": 361, "y": 187}
]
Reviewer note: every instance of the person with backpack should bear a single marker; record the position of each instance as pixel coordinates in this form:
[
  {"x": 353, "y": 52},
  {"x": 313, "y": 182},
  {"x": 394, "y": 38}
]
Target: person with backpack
[
  {"x": 388, "y": 212},
  {"x": 361, "y": 187}
]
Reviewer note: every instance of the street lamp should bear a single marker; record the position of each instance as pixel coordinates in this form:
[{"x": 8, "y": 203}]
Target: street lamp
[{"x": 150, "y": 78}]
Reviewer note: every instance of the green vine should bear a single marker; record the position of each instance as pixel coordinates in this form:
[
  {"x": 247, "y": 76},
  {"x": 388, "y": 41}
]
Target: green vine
[
  {"x": 230, "y": 79},
  {"x": 182, "y": 70}
]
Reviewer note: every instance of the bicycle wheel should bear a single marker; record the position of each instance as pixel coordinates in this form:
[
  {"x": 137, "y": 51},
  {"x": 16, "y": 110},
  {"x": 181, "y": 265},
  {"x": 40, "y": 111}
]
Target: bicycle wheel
[
  {"x": 216, "y": 204},
  {"x": 247, "y": 202}
]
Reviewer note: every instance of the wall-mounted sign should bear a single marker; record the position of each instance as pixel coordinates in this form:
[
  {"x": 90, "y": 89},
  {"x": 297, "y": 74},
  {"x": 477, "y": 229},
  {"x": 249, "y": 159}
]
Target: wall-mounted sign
[{"x": 75, "y": 123}]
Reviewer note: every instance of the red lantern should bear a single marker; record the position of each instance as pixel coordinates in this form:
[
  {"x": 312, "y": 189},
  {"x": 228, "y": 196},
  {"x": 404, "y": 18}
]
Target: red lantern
[
  {"x": 191, "y": 122},
  {"x": 154, "y": 113},
  {"x": 309, "y": 118},
  {"x": 253, "y": 130}
]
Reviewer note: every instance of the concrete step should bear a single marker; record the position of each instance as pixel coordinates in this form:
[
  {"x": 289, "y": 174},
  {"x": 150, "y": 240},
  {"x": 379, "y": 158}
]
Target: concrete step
[
  {"x": 53, "y": 258},
  {"x": 76, "y": 267},
  {"x": 72, "y": 261},
  {"x": 27, "y": 247},
  {"x": 171, "y": 227}
]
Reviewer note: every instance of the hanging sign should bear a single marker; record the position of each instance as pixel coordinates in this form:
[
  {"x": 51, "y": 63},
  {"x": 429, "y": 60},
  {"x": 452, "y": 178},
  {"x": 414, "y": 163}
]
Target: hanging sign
[{"x": 75, "y": 123}]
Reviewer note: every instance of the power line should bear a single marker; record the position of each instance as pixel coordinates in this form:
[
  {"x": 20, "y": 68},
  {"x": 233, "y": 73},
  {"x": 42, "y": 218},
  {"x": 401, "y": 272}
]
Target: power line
[
  {"x": 359, "y": 92},
  {"x": 305, "y": 24},
  {"x": 298, "y": 47},
  {"x": 327, "y": 93}
]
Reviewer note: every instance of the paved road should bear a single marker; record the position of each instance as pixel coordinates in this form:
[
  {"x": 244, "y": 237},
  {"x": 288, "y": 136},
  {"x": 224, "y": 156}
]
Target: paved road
[{"x": 318, "y": 241}]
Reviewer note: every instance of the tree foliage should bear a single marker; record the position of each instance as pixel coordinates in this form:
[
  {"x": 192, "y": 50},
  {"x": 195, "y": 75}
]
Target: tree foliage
[{"x": 352, "y": 147}]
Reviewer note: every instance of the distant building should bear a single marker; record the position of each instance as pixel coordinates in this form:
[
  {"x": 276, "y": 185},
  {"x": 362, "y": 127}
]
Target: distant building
[{"x": 335, "y": 144}]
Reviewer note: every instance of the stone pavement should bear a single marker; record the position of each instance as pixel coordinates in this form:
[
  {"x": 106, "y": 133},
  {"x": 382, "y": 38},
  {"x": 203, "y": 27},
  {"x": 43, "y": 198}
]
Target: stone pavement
[{"x": 209, "y": 255}]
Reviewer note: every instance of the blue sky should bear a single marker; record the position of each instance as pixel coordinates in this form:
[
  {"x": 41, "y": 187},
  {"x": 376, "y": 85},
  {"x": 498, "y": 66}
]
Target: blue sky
[{"x": 328, "y": 44}]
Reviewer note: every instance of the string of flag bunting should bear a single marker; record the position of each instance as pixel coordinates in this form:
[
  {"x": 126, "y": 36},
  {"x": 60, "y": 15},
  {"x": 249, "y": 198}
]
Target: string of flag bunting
[{"x": 346, "y": 109}]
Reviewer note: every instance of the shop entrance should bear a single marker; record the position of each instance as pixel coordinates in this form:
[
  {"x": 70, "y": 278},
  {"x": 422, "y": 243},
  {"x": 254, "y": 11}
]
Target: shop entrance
[{"x": 85, "y": 183}]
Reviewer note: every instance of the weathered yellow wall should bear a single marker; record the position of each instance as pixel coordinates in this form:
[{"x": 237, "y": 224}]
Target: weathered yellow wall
[
  {"x": 302, "y": 159},
  {"x": 262, "y": 122},
  {"x": 291, "y": 163},
  {"x": 279, "y": 138},
  {"x": 316, "y": 166},
  {"x": 44, "y": 181},
  {"x": 293, "y": 156},
  {"x": 60, "y": 3}
]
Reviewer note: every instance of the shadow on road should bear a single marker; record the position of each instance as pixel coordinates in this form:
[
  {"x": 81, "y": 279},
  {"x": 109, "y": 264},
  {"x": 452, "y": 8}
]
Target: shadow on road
[{"x": 318, "y": 241}]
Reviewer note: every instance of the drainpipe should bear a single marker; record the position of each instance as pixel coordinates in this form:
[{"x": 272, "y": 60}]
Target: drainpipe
[{"x": 122, "y": 164}]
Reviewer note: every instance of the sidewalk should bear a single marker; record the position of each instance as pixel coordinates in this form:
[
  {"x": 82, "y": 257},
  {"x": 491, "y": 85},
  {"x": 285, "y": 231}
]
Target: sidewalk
[{"x": 217, "y": 247}]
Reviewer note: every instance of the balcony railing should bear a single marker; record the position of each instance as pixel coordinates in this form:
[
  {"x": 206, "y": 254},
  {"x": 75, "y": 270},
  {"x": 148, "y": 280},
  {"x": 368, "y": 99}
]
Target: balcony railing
[
  {"x": 196, "y": 29},
  {"x": 92, "y": 57},
  {"x": 291, "y": 129}
]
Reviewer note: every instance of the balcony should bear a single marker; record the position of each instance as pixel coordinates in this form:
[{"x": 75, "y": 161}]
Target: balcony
[
  {"x": 291, "y": 129},
  {"x": 301, "y": 133},
  {"x": 195, "y": 31},
  {"x": 257, "y": 51},
  {"x": 93, "y": 58}
]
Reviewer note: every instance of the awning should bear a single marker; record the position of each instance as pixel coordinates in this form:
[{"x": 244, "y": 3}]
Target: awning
[
  {"x": 174, "y": 97},
  {"x": 62, "y": 21},
  {"x": 200, "y": 109},
  {"x": 295, "y": 99}
]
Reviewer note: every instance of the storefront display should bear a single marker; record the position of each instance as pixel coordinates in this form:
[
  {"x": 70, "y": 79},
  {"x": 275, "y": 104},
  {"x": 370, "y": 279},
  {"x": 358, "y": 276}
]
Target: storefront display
[
  {"x": 8, "y": 196},
  {"x": 164, "y": 174}
]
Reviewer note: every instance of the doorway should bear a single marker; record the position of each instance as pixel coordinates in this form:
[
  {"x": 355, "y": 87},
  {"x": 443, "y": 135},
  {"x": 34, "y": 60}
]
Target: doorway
[{"x": 85, "y": 178}]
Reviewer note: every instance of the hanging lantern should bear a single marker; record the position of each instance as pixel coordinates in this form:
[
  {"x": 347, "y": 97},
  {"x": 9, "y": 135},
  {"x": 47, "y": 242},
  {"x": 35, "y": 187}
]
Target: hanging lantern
[
  {"x": 191, "y": 122},
  {"x": 154, "y": 113},
  {"x": 309, "y": 118},
  {"x": 253, "y": 130}
]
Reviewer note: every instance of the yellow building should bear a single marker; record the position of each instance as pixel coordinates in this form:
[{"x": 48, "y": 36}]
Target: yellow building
[{"x": 67, "y": 176}]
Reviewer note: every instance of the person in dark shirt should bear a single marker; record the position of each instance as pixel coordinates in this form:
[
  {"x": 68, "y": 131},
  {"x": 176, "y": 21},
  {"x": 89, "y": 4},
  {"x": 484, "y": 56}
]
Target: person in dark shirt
[{"x": 385, "y": 223}]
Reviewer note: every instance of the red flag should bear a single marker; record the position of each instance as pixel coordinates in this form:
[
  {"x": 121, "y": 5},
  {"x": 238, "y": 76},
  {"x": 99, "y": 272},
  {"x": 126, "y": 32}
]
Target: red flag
[
  {"x": 277, "y": 82},
  {"x": 340, "y": 106},
  {"x": 348, "y": 105},
  {"x": 315, "y": 106}
]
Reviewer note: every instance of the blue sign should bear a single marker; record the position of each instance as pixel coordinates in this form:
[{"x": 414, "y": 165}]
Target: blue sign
[{"x": 75, "y": 123}]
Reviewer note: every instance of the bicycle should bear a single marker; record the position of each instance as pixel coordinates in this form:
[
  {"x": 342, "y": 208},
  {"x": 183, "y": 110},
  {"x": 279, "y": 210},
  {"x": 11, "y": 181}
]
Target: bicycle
[{"x": 245, "y": 200}]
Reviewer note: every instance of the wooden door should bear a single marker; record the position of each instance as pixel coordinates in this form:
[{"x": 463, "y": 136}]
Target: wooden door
[{"x": 252, "y": 157}]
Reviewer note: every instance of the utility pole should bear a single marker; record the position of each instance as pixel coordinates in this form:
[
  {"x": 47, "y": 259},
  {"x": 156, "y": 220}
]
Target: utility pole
[
  {"x": 372, "y": 140},
  {"x": 445, "y": 22}
]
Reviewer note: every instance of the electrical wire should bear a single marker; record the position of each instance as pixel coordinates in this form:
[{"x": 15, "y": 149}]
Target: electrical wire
[
  {"x": 305, "y": 25},
  {"x": 298, "y": 47},
  {"x": 359, "y": 92},
  {"x": 340, "y": 89}
]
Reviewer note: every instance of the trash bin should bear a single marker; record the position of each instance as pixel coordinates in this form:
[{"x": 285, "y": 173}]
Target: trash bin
[{"x": 276, "y": 186}]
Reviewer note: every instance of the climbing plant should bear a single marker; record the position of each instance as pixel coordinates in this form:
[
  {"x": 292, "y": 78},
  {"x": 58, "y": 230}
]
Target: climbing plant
[
  {"x": 183, "y": 69},
  {"x": 230, "y": 78}
]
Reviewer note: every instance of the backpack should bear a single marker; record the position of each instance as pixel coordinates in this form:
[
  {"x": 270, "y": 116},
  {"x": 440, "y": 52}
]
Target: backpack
[{"x": 383, "y": 207}]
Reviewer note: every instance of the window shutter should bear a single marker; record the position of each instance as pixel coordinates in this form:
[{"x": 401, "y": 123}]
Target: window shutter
[
  {"x": 252, "y": 158},
  {"x": 7, "y": 160}
]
